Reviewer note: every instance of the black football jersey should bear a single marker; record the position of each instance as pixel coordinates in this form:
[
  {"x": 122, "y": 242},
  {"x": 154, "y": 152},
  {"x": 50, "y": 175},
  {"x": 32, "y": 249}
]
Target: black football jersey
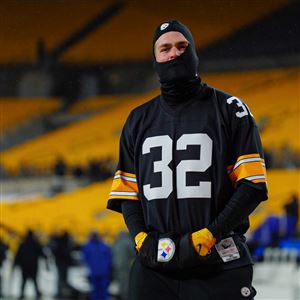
[{"x": 183, "y": 164}]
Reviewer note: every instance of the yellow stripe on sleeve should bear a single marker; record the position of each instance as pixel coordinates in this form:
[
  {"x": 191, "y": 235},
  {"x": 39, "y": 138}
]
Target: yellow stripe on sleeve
[
  {"x": 125, "y": 174},
  {"x": 250, "y": 167},
  {"x": 124, "y": 186}
]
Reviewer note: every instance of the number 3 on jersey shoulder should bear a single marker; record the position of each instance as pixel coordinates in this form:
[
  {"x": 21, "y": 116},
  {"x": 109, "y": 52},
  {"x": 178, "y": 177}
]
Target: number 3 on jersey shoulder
[
  {"x": 239, "y": 103},
  {"x": 203, "y": 190}
]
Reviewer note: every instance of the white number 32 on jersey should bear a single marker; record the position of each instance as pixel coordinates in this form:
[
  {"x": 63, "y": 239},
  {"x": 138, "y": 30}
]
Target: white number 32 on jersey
[{"x": 203, "y": 190}]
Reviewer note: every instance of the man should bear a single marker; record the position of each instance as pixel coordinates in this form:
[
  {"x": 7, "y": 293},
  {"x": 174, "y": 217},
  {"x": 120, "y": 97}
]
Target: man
[
  {"x": 98, "y": 258},
  {"x": 190, "y": 172},
  {"x": 27, "y": 257},
  {"x": 123, "y": 256},
  {"x": 61, "y": 246}
]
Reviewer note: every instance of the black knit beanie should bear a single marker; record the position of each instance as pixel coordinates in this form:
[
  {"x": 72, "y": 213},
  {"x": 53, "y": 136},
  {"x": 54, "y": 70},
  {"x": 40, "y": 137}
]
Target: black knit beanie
[{"x": 173, "y": 25}]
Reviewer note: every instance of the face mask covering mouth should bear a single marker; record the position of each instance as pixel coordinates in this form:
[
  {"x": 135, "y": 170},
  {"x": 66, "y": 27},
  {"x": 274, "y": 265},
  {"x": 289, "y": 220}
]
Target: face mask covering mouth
[
  {"x": 182, "y": 68},
  {"x": 178, "y": 77}
]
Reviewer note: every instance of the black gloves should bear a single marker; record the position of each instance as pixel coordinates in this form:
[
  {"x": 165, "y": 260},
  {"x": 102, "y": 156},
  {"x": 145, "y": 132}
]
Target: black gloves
[{"x": 159, "y": 251}]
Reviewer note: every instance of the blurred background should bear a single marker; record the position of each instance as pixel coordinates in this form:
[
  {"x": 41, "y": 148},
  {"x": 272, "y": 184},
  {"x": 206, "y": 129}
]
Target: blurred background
[{"x": 70, "y": 72}]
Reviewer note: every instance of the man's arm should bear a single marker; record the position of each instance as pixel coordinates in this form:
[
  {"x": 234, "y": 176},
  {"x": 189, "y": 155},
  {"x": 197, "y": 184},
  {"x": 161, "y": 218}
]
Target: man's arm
[
  {"x": 246, "y": 170},
  {"x": 124, "y": 185},
  {"x": 133, "y": 216},
  {"x": 242, "y": 203}
]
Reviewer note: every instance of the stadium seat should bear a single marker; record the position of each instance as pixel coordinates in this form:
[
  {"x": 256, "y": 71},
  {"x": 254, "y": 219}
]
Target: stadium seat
[{"x": 17, "y": 110}]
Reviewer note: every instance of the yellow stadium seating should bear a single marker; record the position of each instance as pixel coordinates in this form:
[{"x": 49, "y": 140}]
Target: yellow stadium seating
[
  {"x": 15, "y": 110},
  {"x": 265, "y": 92},
  {"x": 282, "y": 184},
  {"x": 96, "y": 103},
  {"x": 83, "y": 210},
  {"x": 96, "y": 137},
  {"x": 26, "y": 22}
]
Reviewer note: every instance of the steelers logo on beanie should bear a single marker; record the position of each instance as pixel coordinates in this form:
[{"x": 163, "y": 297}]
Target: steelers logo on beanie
[{"x": 173, "y": 25}]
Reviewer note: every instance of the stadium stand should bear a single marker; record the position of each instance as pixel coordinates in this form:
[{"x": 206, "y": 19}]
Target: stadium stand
[
  {"x": 79, "y": 212},
  {"x": 79, "y": 142},
  {"x": 15, "y": 111},
  {"x": 279, "y": 195},
  {"x": 84, "y": 140},
  {"x": 94, "y": 104},
  {"x": 83, "y": 209},
  {"x": 54, "y": 21}
]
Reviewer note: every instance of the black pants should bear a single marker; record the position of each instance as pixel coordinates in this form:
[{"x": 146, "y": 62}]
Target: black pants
[
  {"x": 146, "y": 284},
  {"x": 25, "y": 277},
  {"x": 62, "y": 271}
]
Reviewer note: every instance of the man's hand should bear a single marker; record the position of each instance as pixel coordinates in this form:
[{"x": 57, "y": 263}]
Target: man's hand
[
  {"x": 139, "y": 239},
  {"x": 157, "y": 251},
  {"x": 146, "y": 246},
  {"x": 203, "y": 241}
]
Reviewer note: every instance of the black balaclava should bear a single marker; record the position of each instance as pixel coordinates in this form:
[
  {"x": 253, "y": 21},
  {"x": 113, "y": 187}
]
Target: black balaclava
[{"x": 178, "y": 77}]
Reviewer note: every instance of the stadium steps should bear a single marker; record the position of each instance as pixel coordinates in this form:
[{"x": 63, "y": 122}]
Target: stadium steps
[
  {"x": 80, "y": 142},
  {"x": 38, "y": 117},
  {"x": 28, "y": 130},
  {"x": 31, "y": 187},
  {"x": 35, "y": 127},
  {"x": 24, "y": 118}
]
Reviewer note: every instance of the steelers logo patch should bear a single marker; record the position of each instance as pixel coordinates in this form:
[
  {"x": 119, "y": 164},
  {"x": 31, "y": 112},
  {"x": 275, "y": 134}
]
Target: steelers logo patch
[
  {"x": 166, "y": 250},
  {"x": 245, "y": 291},
  {"x": 164, "y": 26}
]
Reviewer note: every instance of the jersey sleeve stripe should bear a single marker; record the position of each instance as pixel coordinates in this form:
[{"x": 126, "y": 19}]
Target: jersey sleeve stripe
[
  {"x": 246, "y": 158},
  {"x": 124, "y": 186},
  {"x": 255, "y": 177},
  {"x": 253, "y": 155},
  {"x": 250, "y": 167},
  {"x": 119, "y": 172},
  {"x": 113, "y": 193},
  {"x": 125, "y": 178},
  {"x": 119, "y": 197},
  {"x": 258, "y": 180}
]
